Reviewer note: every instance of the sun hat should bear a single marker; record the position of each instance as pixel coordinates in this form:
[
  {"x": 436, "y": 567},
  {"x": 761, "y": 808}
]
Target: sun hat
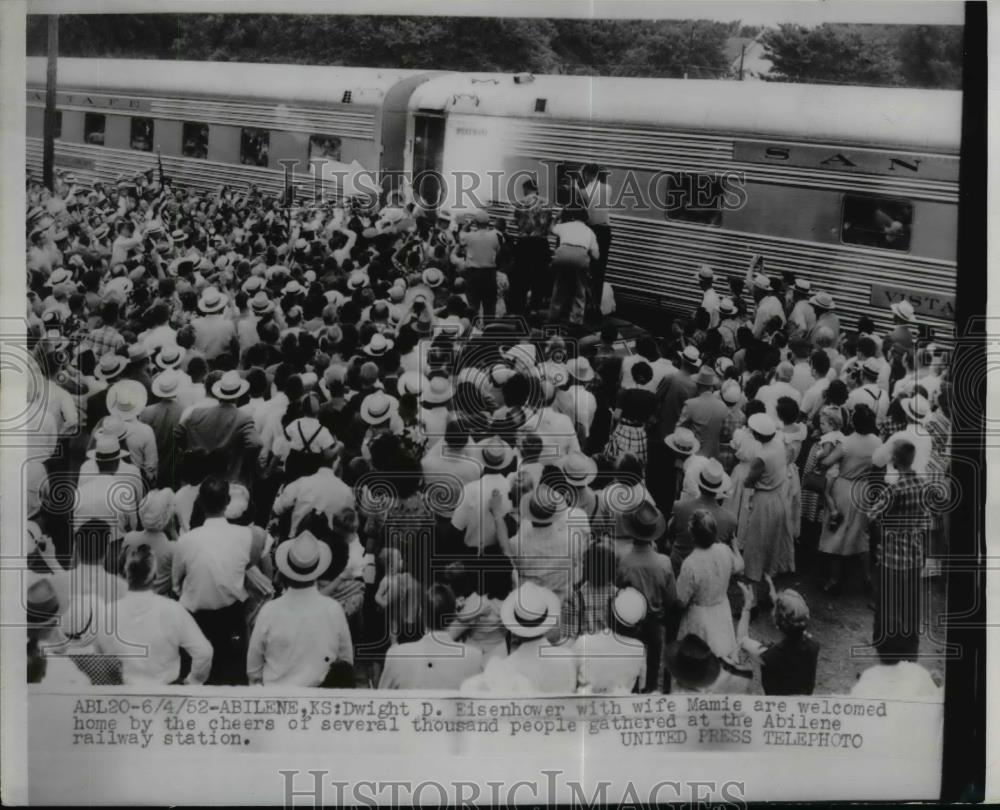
[
  {"x": 683, "y": 441},
  {"x": 706, "y": 377},
  {"x": 110, "y": 366},
  {"x": 802, "y": 286},
  {"x": 761, "y": 282},
  {"x": 916, "y": 407},
  {"x": 437, "y": 391},
  {"x": 292, "y": 288},
  {"x": 579, "y": 469},
  {"x": 59, "y": 276},
  {"x": 691, "y": 357},
  {"x": 432, "y": 277},
  {"x": 231, "y": 386},
  {"x": 212, "y": 301},
  {"x": 704, "y": 273},
  {"x": 495, "y": 453},
  {"x": 530, "y": 611},
  {"x": 629, "y": 606},
  {"x": 822, "y": 300},
  {"x": 378, "y": 407},
  {"x": 731, "y": 392},
  {"x": 871, "y": 368},
  {"x": 643, "y": 522},
  {"x": 712, "y": 477},
  {"x": 692, "y": 663},
  {"x": 106, "y": 448},
  {"x": 411, "y": 382},
  {"x": 170, "y": 356},
  {"x": 126, "y": 399},
  {"x": 357, "y": 280},
  {"x": 727, "y": 307},
  {"x": 260, "y": 304},
  {"x": 378, "y": 345},
  {"x": 303, "y": 558},
  {"x": 253, "y": 284},
  {"x": 904, "y": 311},
  {"x": 579, "y": 368},
  {"x": 166, "y": 384},
  {"x": 763, "y": 424}
]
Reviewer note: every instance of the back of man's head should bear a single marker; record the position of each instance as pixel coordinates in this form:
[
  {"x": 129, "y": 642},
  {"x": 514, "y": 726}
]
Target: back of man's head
[
  {"x": 140, "y": 563},
  {"x": 91, "y": 541},
  {"x": 214, "y": 495},
  {"x": 903, "y": 453},
  {"x": 820, "y": 362}
]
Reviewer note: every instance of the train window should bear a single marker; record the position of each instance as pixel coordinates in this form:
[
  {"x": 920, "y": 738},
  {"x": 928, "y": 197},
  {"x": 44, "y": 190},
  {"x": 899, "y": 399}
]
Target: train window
[
  {"x": 323, "y": 146},
  {"x": 877, "y": 222},
  {"x": 194, "y": 140},
  {"x": 540, "y": 104},
  {"x": 346, "y": 99},
  {"x": 57, "y": 129},
  {"x": 254, "y": 146},
  {"x": 694, "y": 198},
  {"x": 93, "y": 129},
  {"x": 142, "y": 134}
]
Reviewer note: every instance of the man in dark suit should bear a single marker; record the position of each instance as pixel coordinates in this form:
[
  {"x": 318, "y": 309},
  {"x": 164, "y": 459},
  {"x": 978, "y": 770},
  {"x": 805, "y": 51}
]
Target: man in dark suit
[
  {"x": 705, "y": 413},
  {"x": 675, "y": 390},
  {"x": 711, "y": 487},
  {"x": 223, "y": 427}
]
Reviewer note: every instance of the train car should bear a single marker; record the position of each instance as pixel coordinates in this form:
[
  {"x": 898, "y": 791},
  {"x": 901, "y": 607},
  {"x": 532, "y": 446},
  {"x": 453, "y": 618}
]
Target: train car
[
  {"x": 853, "y": 188},
  {"x": 223, "y": 122}
]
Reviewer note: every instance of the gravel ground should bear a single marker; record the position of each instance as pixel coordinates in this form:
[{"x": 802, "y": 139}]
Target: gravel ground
[{"x": 843, "y": 627}]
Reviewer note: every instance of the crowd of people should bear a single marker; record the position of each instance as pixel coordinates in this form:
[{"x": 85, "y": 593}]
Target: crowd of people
[{"x": 350, "y": 445}]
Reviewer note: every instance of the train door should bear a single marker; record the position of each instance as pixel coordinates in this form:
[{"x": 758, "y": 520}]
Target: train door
[{"x": 428, "y": 158}]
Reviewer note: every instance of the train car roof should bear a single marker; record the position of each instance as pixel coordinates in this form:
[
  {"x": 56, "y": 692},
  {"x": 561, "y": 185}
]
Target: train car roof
[
  {"x": 299, "y": 84},
  {"x": 899, "y": 117}
]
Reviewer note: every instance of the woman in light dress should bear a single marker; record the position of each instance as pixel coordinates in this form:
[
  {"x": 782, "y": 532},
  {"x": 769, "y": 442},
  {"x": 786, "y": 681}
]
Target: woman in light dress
[{"x": 703, "y": 585}]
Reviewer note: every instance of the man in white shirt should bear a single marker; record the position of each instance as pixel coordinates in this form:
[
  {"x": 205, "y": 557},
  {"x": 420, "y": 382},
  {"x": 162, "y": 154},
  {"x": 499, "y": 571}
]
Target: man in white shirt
[
  {"x": 151, "y": 630},
  {"x": 448, "y": 467},
  {"x": 435, "y": 661},
  {"x": 320, "y": 492},
  {"x": 557, "y": 431},
  {"x": 812, "y": 399},
  {"x": 778, "y": 388},
  {"x": 710, "y": 298},
  {"x": 916, "y": 409},
  {"x": 125, "y": 243},
  {"x": 209, "y": 571},
  {"x": 299, "y": 636},
  {"x": 597, "y": 199},
  {"x": 215, "y": 332},
  {"x": 869, "y": 392},
  {"x": 576, "y": 256},
  {"x": 472, "y": 515},
  {"x": 112, "y": 491}
]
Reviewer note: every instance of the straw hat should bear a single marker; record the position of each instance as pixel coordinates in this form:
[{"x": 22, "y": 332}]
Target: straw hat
[
  {"x": 530, "y": 611},
  {"x": 495, "y": 453},
  {"x": 212, "y": 301},
  {"x": 904, "y": 311},
  {"x": 106, "y": 448},
  {"x": 822, "y": 300},
  {"x": 303, "y": 558},
  {"x": 579, "y": 469},
  {"x": 916, "y": 407},
  {"x": 230, "y": 387},
  {"x": 712, "y": 477},
  {"x": 579, "y": 368},
  {"x": 110, "y": 367},
  {"x": 683, "y": 441},
  {"x": 170, "y": 357},
  {"x": 378, "y": 407},
  {"x": 629, "y": 607},
  {"x": 437, "y": 391},
  {"x": 411, "y": 382},
  {"x": 126, "y": 399}
]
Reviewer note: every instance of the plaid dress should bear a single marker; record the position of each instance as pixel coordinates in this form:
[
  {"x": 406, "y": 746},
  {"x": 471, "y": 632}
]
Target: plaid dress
[
  {"x": 733, "y": 421},
  {"x": 629, "y": 435}
]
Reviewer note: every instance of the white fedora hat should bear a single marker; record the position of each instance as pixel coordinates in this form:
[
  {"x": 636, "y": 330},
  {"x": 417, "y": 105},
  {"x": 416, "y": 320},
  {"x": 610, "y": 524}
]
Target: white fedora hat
[
  {"x": 530, "y": 611},
  {"x": 303, "y": 558},
  {"x": 231, "y": 386}
]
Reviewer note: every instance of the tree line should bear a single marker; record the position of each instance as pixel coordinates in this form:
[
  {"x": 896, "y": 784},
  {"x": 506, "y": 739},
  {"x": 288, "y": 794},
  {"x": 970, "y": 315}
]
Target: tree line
[{"x": 886, "y": 55}]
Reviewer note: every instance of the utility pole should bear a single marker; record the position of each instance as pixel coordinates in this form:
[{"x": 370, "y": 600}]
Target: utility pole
[
  {"x": 49, "y": 127},
  {"x": 743, "y": 50}
]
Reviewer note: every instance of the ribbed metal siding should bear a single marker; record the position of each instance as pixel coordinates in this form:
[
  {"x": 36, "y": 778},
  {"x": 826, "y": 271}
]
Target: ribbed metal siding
[
  {"x": 653, "y": 264},
  {"x": 203, "y": 175},
  {"x": 345, "y": 121},
  {"x": 651, "y": 150}
]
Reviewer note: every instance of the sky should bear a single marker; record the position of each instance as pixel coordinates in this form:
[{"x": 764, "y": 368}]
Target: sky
[{"x": 805, "y": 12}]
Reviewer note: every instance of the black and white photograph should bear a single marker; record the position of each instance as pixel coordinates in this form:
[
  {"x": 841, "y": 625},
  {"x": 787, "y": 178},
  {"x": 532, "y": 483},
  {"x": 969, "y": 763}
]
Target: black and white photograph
[{"x": 398, "y": 391}]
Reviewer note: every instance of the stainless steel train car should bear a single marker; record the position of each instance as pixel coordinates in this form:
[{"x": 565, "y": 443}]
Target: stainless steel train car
[{"x": 864, "y": 205}]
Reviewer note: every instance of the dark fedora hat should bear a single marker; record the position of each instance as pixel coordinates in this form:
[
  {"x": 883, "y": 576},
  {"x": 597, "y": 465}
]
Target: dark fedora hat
[
  {"x": 644, "y": 522},
  {"x": 692, "y": 662}
]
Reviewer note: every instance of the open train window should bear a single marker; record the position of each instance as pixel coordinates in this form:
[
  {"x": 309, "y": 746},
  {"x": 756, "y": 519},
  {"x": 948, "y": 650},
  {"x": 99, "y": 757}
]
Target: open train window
[
  {"x": 93, "y": 129},
  {"x": 877, "y": 222},
  {"x": 324, "y": 147},
  {"x": 254, "y": 146},
  {"x": 141, "y": 136},
  {"x": 694, "y": 198},
  {"x": 194, "y": 140}
]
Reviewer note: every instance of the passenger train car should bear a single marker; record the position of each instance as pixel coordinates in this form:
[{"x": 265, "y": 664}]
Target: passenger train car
[{"x": 853, "y": 188}]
